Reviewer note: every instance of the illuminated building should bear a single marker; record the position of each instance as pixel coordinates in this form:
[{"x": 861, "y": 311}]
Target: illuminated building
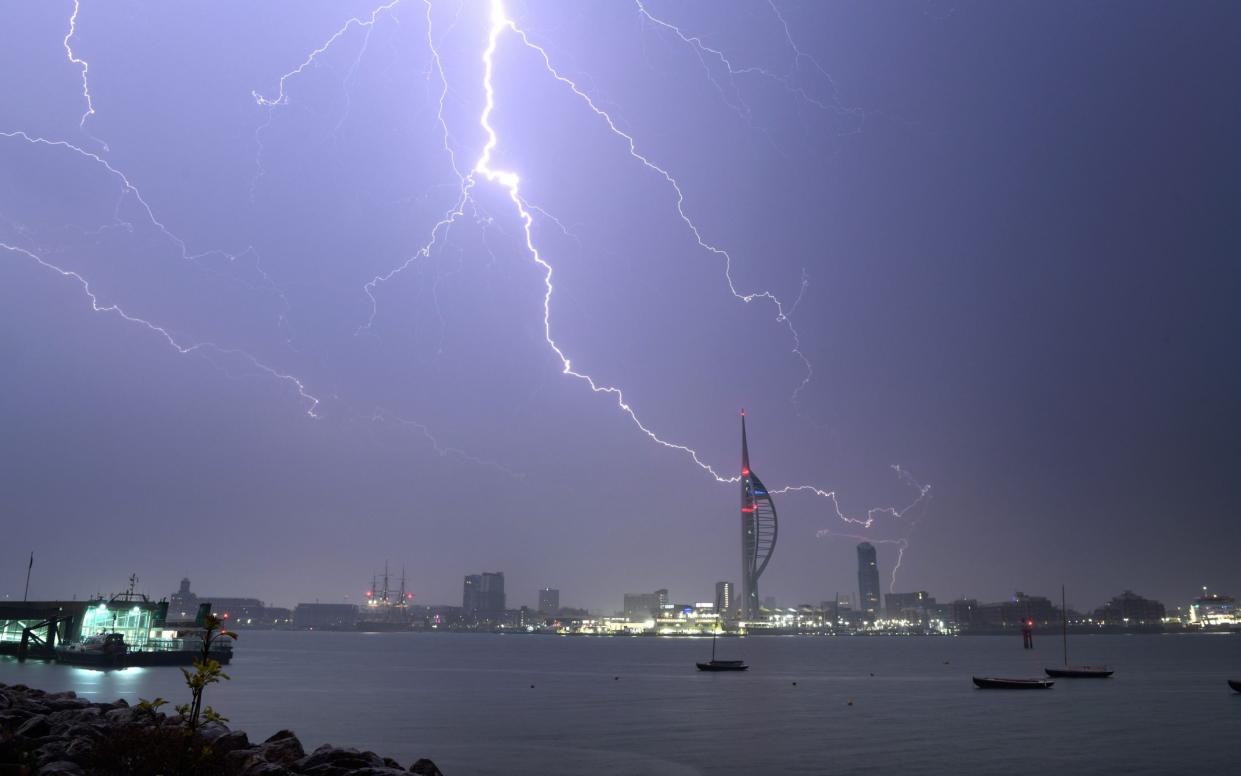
[
  {"x": 1213, "y": 609},
  {"x": 483, "y": 596},
  {"x": 907, "y": 606},
  {"x": 868, "y": 580},
  {"x": 549, "y": 600},
  {"x": 640, "y": 606},
  {"x": 724, "y": 598},
  {"x": 758, "y": 531}
]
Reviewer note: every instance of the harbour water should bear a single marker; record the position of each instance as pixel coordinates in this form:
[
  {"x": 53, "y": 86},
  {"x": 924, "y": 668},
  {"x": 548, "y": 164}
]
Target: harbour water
[{"x": 517, "y": 705}]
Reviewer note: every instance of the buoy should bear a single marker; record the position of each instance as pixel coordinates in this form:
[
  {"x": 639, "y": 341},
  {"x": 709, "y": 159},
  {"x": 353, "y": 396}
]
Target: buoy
[
  {"x": 850, "y": 701},
  {"x": 794, "y": 684},
  {"x": 616, "y": 678},
  {"x": 531, "y": 687}
]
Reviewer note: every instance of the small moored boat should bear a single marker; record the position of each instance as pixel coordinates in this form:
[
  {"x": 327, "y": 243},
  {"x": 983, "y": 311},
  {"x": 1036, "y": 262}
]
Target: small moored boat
[
  {"x": 1235, "y": 684},
  {"x": 1080, "y": 672},
  {"x": 721, "y": 665},
  {"x": 1074, "y": 672},
  {"x": 999, "y": 683}
]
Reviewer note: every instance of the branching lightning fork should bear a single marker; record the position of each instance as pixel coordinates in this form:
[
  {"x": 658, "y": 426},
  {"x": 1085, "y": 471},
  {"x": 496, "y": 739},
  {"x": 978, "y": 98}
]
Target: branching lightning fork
[{"x": 310, "y": 401}]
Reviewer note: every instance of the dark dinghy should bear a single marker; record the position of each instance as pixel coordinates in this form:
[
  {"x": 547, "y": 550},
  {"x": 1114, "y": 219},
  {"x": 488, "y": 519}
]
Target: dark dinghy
[
  {"x": 1080, "y": 672},
  {"x": 997, "y": 683},
  {"x": 1235, "y": 684},
  {"x": 1074, "y": 672},
  {"x": 723, "y": 665}
]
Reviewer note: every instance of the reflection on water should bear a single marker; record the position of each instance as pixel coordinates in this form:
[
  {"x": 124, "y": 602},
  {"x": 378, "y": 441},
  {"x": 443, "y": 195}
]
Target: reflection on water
[{"x": 488, "y": 704}]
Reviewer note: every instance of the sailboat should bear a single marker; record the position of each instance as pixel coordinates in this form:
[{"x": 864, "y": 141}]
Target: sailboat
[
  {"x": 721, "y": 665},
  {"x": 1074, "y": 672}
]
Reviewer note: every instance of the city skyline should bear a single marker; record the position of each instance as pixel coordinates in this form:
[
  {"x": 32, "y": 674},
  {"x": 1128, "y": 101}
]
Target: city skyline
[{"x": 254, "y": 333}]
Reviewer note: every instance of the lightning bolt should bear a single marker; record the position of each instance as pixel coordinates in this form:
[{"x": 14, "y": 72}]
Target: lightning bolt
[
  {"x": 130, "y": 191},
  {"x": 282, "y": 94},
  {"x": 309, "y": 400},
  {"x": 510, "y": 182},
  {"x": 484, "y": 168},
  {"x": 902, "y": 543},
  {"x": 84, "y": 67},
  {"x": 384, "y": 416}
]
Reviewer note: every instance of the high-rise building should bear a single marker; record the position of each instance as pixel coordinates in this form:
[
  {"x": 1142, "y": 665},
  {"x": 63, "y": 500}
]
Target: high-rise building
[
  {"x": 549, "y": 600},
  {"x": 868, "y": 580},
  {"x": 639, "y": 606},
  {"x": 483, "y": 595},
  {"x": 724, "y": 597},
  {"x": 758, "y": 531}
]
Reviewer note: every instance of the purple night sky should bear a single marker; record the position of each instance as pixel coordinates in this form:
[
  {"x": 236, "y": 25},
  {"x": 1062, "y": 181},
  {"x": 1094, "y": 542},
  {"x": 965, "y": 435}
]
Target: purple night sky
[{"x": 1003, "y": 237}]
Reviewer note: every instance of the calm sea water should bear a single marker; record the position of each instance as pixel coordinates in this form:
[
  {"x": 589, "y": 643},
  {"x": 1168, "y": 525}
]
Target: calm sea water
[{"x": 466, "y": 701}]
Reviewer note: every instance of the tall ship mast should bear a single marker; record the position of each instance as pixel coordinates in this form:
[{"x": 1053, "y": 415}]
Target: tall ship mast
[{"x": 386, "y": 609}]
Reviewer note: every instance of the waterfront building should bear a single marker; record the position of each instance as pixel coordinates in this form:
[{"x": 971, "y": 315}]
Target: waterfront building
[
  {"x": 1014, "y": 613},
  {"x": 318, "y": 616},
  {"x": 183, "y": 604},
  {"x": 57, "y": 622},
  {"x": 549, "y": 600},
  {"x": 868, "y": 580},
  {"x": 759, "y": 528},
  {"x": 912, "y": 607},
  {"x": 483, "y": 596},
  {"x": 724, "y": 598},
  {"x": 1129, "y": 608},
  {"x": 642, "y": 606}
]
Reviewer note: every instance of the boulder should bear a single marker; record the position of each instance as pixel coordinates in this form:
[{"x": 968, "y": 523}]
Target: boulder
[
  {"x": 121, "y": 716},
  {"x": 52, "y": 751},
  {"x": 347, "y": 758},
  {"x": 231, "y": 742},
  {"x": 34, "y": 727},
  {"x": 283, "y": 748},
  {"x": 211, "y": 731},
  {"x": 63, "y": 704},
  {"x": 79, "y": 749},
  {"x": 62, "y": 768},
  {"x": 66, "y": 718},
  {"x": 425, "y": 767},
  {"x": 260, "y": 767}
]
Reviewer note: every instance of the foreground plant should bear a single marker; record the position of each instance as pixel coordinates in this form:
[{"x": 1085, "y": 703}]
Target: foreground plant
[{"x": 206, "y": 671}]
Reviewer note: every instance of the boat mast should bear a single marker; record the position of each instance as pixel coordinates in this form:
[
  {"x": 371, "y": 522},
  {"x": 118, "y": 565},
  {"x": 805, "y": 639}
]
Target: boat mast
[{"x": 1064, "y": 612}]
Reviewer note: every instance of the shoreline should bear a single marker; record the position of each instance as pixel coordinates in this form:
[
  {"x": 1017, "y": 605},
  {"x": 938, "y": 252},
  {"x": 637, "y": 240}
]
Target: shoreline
[{"x": 59, "y": 733}]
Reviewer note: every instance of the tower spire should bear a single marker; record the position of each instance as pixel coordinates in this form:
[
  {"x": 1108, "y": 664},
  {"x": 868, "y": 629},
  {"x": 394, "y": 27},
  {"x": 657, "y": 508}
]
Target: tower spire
[
  {"x": 758, "y": 531},
  {"x": 745, "y": 448}
]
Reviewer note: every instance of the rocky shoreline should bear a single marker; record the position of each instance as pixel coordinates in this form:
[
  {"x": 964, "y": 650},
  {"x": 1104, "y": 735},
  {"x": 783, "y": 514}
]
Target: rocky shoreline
[{"x": 60, "y": 733}]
